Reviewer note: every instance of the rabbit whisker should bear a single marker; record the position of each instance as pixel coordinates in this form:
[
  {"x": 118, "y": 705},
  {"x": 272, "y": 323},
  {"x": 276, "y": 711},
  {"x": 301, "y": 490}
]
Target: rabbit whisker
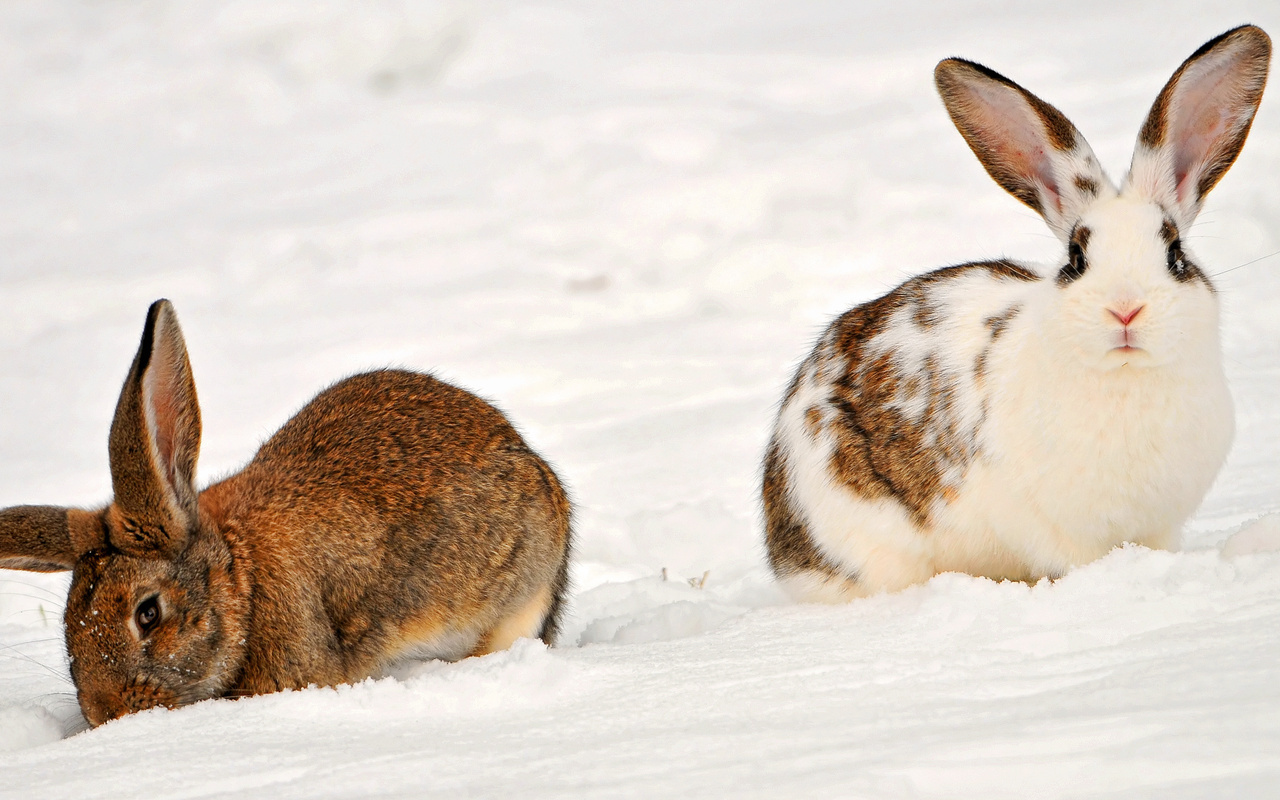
[
  {"x": 21, "y": 656},
  {"x": 1247, "y": 263},
  {"x": 38, "y": 598},
  {"x": 37, "y": 587}
]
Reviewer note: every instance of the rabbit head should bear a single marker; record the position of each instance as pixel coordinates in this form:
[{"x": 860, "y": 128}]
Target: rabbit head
[
  {"x": 1129, "y": 291},
  {"x": 156, "y": 614}
]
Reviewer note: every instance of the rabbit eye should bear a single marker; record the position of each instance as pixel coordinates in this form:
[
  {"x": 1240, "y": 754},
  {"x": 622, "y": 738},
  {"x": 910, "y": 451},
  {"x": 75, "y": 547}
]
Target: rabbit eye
[
  {"x": 1177, "y": 264},
  {"x": 147, "y": 615},
  {"x": 1076, "y": 264}
]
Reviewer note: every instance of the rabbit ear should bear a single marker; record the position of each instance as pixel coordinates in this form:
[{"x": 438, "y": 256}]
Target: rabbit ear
[
  {"x": 1199, "y": 121},
  {"x": 36, "y": 539},
  {"x": 1027, "y": 145},
  {"x": 155, "y": 439},
  {"x": 47, "y": 538}
]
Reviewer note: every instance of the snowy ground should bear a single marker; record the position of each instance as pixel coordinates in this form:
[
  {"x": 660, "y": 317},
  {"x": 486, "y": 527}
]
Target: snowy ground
[{"x": 624, "y": 222}]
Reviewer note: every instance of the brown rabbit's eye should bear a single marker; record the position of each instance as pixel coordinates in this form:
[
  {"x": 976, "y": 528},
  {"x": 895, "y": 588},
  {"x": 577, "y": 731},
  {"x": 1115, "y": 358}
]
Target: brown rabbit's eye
[{"x": 147, "y": 615}]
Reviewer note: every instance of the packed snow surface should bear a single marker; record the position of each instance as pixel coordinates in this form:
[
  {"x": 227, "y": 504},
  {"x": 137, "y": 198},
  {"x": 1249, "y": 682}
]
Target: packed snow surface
[{"x": 624, "y": 223}]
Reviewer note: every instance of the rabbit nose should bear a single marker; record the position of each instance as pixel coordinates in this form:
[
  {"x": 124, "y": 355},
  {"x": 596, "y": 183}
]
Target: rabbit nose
[
  {"x": 97, "y": 709},
  {"x": 1126, "y": 316}
]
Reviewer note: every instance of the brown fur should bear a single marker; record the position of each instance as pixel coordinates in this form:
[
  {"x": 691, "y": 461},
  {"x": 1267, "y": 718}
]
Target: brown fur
[
  {"x": 996, "y": 325},
  {"x": 38, "y": 539},
  {"x": 1086, "y": 185},
  {"x": 789, "y": 546},
  {"x": 879, "y": 451},
  {"x": 392, "y": 515}
]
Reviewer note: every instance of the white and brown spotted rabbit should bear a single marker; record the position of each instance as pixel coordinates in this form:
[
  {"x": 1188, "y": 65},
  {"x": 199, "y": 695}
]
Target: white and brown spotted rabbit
[
  {"x": 1014, "y": 421},
  {"x": 394, "y": 517}
]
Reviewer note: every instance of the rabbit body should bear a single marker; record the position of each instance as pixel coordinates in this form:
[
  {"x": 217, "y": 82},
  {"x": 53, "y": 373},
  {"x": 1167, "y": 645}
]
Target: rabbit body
[
  {"x": 1012, "y": 420},
  {"x": 441, "y": 522},
  {"x": 393, "y": 517},
  {"x": 975, "y": 445}
]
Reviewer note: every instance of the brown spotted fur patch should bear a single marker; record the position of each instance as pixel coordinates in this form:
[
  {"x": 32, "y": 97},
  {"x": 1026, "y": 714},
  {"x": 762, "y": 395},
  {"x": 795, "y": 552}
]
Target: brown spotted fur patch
[
  {"x": 1086, "y": 185},
  {"x": 995, "y": 326},
  {"x": 790, "y": 548},
  {"x": 880, "y": 451}
]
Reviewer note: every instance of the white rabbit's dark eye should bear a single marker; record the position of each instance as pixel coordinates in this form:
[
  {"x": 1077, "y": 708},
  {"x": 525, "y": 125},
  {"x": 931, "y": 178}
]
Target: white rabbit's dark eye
[
  {"x": 1176, "y": 261},
  {"x": 1076, "y": 264},
  {"x": 147, "y": 615}
]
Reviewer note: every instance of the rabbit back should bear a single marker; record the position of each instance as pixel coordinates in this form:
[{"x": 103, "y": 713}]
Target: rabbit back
[
  {"x": 394, "y": 516},
  {"x": 879, "y": 425}
]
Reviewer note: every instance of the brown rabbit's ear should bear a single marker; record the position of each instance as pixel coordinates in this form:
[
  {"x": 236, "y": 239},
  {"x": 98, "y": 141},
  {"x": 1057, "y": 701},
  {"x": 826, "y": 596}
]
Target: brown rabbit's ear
[
  {"x": 1199, "y": 121},
  {"x": 1026, "y": 145},
  {"x": 47, "y": 538},
  {"x": 155, "y": 440}
]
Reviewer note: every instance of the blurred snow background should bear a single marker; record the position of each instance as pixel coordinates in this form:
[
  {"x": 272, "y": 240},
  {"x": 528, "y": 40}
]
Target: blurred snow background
[{"x": 624, "y": 223}]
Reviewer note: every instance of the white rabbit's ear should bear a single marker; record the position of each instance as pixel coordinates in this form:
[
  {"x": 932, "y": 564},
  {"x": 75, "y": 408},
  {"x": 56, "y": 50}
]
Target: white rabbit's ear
[
  {"x": 155, "y": 440},
  {"x": 1027, "y": 145},
  {"x": 1200, "y": 120}
]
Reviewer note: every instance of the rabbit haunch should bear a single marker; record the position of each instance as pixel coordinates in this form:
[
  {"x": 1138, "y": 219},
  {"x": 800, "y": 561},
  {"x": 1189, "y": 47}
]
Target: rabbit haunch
[
  {"x": 1013, "y": 421},
  {"x": 394, "y": 516}
]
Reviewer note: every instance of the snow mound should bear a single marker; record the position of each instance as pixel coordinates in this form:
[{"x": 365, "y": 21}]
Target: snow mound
[
  {"x": 523, "y": 677},
  {"x": 666, "y": 607},
  {"x": 1260, "y": 536},
  {"x": 27, "y": 726}
]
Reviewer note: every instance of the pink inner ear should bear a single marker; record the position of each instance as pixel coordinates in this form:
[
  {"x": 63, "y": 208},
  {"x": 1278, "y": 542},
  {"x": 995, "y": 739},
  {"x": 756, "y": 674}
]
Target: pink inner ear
[
  {"x": 1007, "y": 125},
  {"x": 165, "y": 417},
  {"x": 1209, "y": 107},
  {"x": 162, "y": 387}
]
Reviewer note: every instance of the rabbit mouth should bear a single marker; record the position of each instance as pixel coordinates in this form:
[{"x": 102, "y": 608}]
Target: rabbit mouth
[
  {"x": 1130, "y": 356},
  {"x": 1125, "y": 351},
  {"x": 1126, "y": 340},
  {"x": 140, "y": 695},
  {"x": 1128, "y": 349}
]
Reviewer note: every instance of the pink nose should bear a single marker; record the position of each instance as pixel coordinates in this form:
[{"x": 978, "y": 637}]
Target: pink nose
[{"x": 1125, "y": 317}]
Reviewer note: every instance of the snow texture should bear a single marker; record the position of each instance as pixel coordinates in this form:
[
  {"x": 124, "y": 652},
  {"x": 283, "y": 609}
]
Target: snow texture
[{"x": 625, "y": 223}]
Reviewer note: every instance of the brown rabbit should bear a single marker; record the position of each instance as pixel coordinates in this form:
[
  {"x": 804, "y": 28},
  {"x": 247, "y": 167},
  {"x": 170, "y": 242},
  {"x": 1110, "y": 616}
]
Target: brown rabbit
[{"x": 394, "y": 517}]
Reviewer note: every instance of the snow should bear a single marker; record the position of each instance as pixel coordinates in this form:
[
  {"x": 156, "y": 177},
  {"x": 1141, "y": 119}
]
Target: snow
[
  {"x": 1259, "y": 536},
  {"x": 625, "y": 223}
]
